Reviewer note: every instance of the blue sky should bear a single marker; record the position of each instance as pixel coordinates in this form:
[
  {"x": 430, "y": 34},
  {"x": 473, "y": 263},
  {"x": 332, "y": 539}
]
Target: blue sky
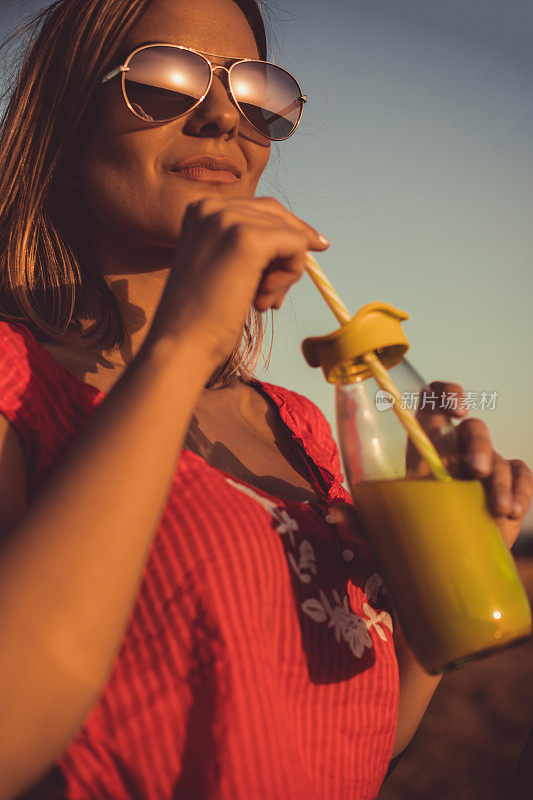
[{"x": 415, "y": 157}]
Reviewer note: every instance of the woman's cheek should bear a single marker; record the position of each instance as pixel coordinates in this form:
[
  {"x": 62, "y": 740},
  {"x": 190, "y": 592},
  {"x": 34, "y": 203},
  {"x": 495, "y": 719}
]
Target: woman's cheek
[{"x": 126, "y": 200}]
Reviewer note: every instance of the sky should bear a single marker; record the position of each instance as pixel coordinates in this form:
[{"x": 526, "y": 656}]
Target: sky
[{"x": 415, "y": 158}]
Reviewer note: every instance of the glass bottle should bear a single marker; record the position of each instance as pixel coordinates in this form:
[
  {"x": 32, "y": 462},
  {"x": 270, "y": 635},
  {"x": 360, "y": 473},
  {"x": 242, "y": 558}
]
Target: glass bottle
[{"x": 452, "y": 581}]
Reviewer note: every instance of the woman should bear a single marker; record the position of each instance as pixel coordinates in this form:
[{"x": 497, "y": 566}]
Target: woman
[{"x": 167, "y": 518}]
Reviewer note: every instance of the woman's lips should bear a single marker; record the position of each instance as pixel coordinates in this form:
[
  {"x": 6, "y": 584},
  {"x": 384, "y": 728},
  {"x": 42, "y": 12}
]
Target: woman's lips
[
  {"x": 206, "y": 175},
  {"x": 207, "y": 168}
]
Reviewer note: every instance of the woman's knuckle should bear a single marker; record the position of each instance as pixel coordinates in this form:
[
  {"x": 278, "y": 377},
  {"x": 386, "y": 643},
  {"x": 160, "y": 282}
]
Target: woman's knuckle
[
  {"x": 475, "y": 439},
  {"x": 301, "y": 238},
  {"x": 501, "y": 489},
  {"x": 232, "y": 233},
  {"x": 238, "y": 234},
  {"x": 466, "y": 428},
  {"x": 203, "y": 206},
  {"x": 477, "y": 430},
  {"x": 524, "y": 495},
  {"x": 500, "y": 475},
  {"x": 500, "y": 465},
  {"x": 218, "y": 221},
  {"x": 520, "y": 466},
  {"x": 193, "y": 210},
  {"x": 221, "y": 219}
]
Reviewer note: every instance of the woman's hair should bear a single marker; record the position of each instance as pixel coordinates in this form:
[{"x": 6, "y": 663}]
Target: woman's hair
[{"x": 47, "y": 276}]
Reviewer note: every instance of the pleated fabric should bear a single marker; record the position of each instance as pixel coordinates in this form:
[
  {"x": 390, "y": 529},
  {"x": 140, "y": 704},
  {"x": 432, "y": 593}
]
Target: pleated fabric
[{"x": 258, "y": 661}]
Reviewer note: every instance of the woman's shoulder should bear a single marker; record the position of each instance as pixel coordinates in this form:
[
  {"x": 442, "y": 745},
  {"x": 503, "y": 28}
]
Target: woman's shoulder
[
  {"x": 300, "y": 408},
  {"x": 27, "y": 368},
  {"x": 41, "y": 406},
  {"x": 19, "y": 399},
  {"x": 15, "y": 356},
  {"x": 12, "y": 338},
  {"x": 24, "y": 363},
  {"x": 23, "y": 359}
]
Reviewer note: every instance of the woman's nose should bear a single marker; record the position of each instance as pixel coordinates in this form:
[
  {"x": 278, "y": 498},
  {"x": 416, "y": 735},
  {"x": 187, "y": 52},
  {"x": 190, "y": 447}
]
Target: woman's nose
[{"x": 217, "y": 114}]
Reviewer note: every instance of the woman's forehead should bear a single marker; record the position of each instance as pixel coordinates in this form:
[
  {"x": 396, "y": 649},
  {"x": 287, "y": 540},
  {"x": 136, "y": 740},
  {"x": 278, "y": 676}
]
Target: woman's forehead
[
  {"x": 216, "y": 58},
  {"x": 209, "y": 26}
]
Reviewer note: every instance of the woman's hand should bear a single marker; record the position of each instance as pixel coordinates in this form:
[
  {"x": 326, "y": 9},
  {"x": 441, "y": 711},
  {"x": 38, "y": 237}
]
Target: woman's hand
[
  {"x": 508, "y": 484},
  {"x": 508, "y": 487},
  {"x": 231, "y": 254}
]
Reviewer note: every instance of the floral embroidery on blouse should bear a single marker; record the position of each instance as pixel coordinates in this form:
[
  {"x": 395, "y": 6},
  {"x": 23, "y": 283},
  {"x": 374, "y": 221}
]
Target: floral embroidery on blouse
[
  {"x": 349, "y": 626},
  {"x": 284, "y": 523}
]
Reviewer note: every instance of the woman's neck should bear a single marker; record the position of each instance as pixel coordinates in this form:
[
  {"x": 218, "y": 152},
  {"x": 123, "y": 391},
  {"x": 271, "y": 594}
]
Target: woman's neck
[{"x": 137, "y": 281}]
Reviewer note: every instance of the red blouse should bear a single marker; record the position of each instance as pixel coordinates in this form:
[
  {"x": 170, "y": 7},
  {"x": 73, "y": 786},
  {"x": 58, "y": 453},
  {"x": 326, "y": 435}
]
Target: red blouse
[{"x": 258, "y": 662}]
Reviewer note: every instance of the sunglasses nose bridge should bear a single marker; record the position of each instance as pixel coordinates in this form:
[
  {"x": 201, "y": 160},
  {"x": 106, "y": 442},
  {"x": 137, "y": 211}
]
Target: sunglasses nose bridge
[
  {"x": 227, "y": 83},
  {"x": 227, "y": 73}
]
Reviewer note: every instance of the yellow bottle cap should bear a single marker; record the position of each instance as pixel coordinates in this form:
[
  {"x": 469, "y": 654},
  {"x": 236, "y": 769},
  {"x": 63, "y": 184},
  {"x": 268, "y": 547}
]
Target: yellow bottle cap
[{"x": 376, "y": 327}]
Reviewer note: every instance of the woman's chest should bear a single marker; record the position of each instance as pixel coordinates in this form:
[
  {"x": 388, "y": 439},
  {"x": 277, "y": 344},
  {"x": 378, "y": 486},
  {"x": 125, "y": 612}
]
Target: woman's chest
[
  {"x": 251, "y": 627},
  {"x": 237, "y": 560},
  {"x": 262, "y": 456}
]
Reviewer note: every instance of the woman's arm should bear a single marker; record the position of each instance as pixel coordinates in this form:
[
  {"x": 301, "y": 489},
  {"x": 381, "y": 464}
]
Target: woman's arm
[
  {"x": 416, "y": 690},
  {"x": 508, "y": 487},
  {"x": 70, "y": 567}
]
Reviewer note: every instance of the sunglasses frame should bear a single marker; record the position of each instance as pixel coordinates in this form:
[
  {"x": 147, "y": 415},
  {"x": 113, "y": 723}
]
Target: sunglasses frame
[{"x": 123, "y": 68}]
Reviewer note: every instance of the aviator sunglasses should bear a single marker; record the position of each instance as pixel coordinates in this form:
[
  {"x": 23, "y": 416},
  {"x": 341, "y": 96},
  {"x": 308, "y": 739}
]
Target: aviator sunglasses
[{"x": 162, "y": 82}]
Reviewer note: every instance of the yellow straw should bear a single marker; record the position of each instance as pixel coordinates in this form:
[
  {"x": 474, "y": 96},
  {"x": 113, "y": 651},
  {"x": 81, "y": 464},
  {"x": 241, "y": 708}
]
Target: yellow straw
[
  {"x": 418, "y": 436},
  {"x": 326, "y": 290}
]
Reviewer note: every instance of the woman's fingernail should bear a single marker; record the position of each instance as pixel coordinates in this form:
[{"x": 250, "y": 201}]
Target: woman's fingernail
[
  {"x": 323, "y": 239},
  {"x": 517, "y": 508},
  {"x": 479, "y": 462}
]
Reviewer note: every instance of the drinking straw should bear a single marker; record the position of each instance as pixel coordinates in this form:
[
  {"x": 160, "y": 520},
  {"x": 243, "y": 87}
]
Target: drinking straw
[
  {"x": 417, "y": 434},
  {"x": 326, "y": 289}
]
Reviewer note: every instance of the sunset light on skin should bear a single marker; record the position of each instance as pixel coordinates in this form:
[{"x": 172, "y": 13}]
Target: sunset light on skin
[
  {"x": 414, "y": 156},
  {"x": 265, "y": 333}
]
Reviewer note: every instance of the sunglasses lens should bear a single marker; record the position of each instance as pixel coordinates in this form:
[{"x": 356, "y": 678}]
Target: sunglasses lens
[
  {"x": 268, "y": 96},
  {"x": 163, "y": 83}
]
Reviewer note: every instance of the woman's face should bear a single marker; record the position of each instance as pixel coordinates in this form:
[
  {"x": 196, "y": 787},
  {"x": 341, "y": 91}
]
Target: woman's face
[{"x": 123, "y": 171}]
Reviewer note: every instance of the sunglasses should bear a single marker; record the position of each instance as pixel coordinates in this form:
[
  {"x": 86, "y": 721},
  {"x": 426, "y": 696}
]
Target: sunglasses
[{"x": 162, "y": 82}]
